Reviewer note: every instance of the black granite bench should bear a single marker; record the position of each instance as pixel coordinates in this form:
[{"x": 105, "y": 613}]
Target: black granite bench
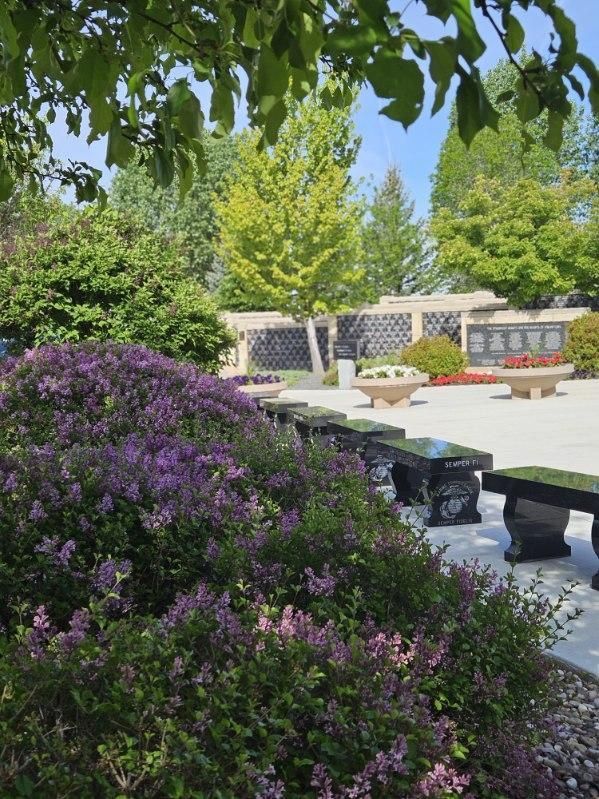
[
  {"x": 538, "y": 501},
  {"x": 313, "y": 422},
  {"x": 440, "y": 475},
  {"x": 277, "y": 409},
  {"x": 364, "y": 436}
]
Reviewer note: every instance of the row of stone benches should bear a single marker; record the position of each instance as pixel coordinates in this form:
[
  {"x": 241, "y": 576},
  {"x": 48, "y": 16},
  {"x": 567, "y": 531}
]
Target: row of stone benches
[{"x": 441, "y": 476}]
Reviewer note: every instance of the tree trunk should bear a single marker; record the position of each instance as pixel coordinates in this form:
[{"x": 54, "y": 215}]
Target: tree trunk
[{"x": 317, "y": 367}]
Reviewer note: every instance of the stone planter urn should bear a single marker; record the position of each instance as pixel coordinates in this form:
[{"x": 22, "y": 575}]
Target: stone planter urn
[
  {"x": 534, "y": 382},
  {"x": 390, "y": 392},
  {"x": 261, "y": 390}
]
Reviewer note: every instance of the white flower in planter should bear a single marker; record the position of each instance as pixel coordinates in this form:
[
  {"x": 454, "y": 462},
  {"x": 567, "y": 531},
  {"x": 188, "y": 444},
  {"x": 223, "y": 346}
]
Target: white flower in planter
[{"x": 388, "y": 370}]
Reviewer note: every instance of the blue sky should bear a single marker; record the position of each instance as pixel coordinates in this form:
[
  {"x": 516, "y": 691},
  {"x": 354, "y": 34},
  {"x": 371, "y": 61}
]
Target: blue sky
[{"x": 385, "y": 141}]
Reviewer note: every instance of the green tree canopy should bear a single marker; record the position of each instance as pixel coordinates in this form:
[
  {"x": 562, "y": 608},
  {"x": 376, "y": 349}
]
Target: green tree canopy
[
  {"x": 98, "y": 275},
  {"x": 514, "y": 151},
  {"x": 131, "y": 70},
  {"x": 290, "y": 225},
  {"x": 521, "y": 242},
  {"x": 190, "y": 219},
  {"x": 395, "y": 243}
]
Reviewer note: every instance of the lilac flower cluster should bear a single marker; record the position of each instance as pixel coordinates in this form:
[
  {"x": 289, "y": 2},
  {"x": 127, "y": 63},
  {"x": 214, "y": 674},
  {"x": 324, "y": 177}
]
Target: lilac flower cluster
[
  {"x": 253, "y": 380},
  {"x": 95, "y": 392}
]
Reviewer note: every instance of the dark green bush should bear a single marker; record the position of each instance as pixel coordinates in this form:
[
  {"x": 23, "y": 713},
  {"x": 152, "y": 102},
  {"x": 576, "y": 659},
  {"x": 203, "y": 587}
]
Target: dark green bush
[
  {"x": 582, "y": 346},
  {"x": 99, "y": 275},
  {"x": 435, "y": 356}
]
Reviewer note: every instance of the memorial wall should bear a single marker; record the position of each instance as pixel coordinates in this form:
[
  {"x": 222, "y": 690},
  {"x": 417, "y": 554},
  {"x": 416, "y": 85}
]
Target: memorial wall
[{"x": 481, "y": 323}]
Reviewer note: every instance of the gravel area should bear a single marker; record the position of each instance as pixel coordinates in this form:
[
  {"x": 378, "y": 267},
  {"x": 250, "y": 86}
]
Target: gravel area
[{"x": 572, "y": 752}]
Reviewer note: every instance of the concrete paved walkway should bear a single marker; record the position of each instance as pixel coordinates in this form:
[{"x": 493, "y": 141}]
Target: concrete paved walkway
[{"x": 562, "y": 432}]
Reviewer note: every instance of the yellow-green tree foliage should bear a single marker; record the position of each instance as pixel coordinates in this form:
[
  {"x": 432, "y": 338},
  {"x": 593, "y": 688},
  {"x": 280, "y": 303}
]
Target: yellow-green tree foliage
[
  {"x": 522, "y": 241},
  {"x": 290, "y": 222}
]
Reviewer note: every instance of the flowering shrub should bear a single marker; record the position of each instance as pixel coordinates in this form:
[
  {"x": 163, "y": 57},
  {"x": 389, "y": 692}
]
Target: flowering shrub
[
  {"x": 533, "y": 361},
  {"x": 464, "y": 379},
  {"x": 253, "y": 380},
  {"x": 94, "y": 392},
  {"x": 388, "y": 370},
  {"x": 197, "y": 605},
  {"x": 271, "y": 703}
]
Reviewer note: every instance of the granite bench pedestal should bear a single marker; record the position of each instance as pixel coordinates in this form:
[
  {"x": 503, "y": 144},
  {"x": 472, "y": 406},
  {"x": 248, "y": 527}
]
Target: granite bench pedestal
[
  {"x": 277, "y": 409},
  {"x": 440, "y": 475},
  {"x": 364, "y": 436},
  {"x": 538, "y": 501},
  {"x": 312, "y": 422}
]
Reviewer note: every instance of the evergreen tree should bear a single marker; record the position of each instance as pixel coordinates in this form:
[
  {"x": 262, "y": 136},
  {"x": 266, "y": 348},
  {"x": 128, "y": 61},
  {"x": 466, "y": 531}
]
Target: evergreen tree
[{"x": 394, "y": 242}]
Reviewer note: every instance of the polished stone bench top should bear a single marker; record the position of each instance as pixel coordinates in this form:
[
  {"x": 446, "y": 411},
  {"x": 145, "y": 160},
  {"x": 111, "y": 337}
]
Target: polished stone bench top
[
  {"x": 280, "y": 404},
  {"x": 314, "y": 416},
  {"x": 557, "y": 487},
  {"x": 366, "y": 429},
  {"x": 436, "y": 456}
]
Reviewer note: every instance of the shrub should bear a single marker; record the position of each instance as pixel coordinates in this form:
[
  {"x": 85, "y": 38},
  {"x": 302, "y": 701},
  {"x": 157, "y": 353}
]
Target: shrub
[
  {"x": 464, "y": 379},
  {"x": 435, "y": 356},
  {"x": 582, "y": 346},
  {"x": 324, "y": 630},
  {"x": 246, "y": 700},
  {"x": 331, "y": 376},
  {"x": 98, "y": 275},
  {"x": 98, "y": 393}
]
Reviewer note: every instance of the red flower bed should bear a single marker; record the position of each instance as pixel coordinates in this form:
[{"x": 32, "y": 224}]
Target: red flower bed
[
  {"x": 529, "y": 361},
  {"x": 463, "y": 379}
]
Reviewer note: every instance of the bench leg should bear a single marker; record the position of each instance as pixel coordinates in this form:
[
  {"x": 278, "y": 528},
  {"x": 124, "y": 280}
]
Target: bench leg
[
  {"x": 409, "y": 484},
  {"x": 537, "y": 530},
  {"x": 595, "y": 542},
  {"x": 452, "y": 499}
]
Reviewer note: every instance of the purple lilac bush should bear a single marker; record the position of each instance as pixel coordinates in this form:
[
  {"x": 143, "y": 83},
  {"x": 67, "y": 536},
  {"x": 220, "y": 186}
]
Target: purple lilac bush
[
  {"x": 95, "y": 392},
  {"x": 200, "y": 606},
  {"x": 253, "y": 380}
]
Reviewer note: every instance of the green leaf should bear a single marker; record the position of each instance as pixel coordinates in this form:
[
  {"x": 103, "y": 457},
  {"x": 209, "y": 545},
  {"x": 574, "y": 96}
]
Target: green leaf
[
  {"x": 355, "y": 40},
  {"x": 555, "y": 127},
  {"x": 514, "y": 34},
  {"x": 162, "y": 167},
  {"x": 506, "y": 96},
  {"x": 469, "y": 41},
  {"x": 249, "y": 28},
  {"x": 118, "y": 149},
  {"x": 442, "y": 57},
  {"x": 468, "y": 108},
  {"x": 191, "y": 118},
  {"x": 178, "y": 94},
  {"x": 8, "y": 32},
  {"x": 272, "y": 76},
  {"x": 100, "y": 118},
  {"x": 222, "y": 109},
  {"x": 274, "y": 120},
  {"x": 527, "y": 103},
  {"x": 398, "y": 78},
  {"x": 6, "y": 183}
]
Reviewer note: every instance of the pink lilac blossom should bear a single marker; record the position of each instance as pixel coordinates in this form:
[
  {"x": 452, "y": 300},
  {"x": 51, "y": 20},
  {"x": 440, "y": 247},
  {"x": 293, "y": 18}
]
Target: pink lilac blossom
[{"x": 442, "y": 779}]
